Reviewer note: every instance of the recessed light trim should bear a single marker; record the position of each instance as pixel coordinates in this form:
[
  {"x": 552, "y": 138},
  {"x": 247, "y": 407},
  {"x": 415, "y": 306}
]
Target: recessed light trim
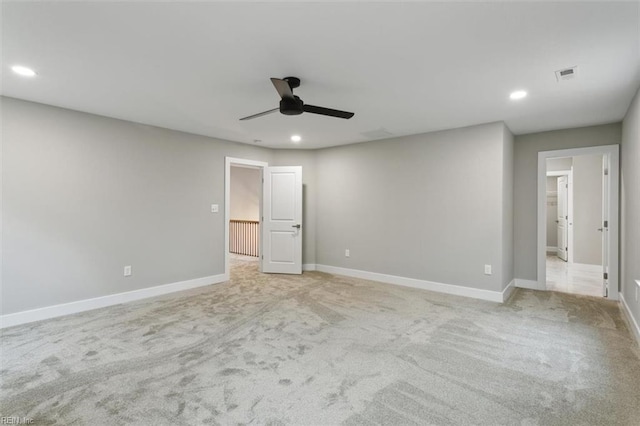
[
  {"x": 23, "y": 71},
  {"x": 518, "y": 94},
  {"x": 296, "y": 138}
]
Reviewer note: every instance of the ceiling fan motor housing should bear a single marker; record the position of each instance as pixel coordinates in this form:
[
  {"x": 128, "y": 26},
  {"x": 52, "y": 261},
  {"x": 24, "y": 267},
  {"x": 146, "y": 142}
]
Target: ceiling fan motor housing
[{"x": 291, "y": 106}]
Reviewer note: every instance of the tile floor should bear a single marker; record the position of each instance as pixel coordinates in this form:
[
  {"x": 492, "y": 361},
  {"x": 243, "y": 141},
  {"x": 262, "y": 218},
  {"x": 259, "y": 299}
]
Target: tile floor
[{"x": 575, "y": 278}]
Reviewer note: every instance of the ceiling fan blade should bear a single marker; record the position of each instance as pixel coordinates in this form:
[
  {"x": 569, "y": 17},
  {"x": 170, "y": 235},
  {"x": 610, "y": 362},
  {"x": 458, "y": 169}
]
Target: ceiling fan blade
[
  {"x": 327, "y": 111},
  {"x": 260, "y": 114},
  {"x": 283, "y": 88}
]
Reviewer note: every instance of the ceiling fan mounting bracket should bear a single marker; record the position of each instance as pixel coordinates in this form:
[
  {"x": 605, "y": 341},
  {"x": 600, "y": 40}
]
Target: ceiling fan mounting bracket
[{"x": 293, "y": 81}]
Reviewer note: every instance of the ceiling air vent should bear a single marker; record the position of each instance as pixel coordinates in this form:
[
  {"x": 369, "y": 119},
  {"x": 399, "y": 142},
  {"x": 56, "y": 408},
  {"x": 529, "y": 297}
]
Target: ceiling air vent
[{"x": 567, "y": 73}]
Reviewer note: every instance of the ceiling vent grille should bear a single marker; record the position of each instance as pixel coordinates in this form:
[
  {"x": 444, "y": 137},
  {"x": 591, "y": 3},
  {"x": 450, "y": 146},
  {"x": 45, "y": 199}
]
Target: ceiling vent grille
[{"x": 566, "y": 74}]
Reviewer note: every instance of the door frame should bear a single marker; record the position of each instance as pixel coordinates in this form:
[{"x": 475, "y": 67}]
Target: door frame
[
  {"x": 242, "y": 162},
  {"x": 612, "y": 152},
  {"x": 569, "y": 174}
]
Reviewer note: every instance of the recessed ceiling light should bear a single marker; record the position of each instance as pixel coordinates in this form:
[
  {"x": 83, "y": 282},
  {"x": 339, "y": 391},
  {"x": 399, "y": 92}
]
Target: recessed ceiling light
[
  {"x": 296, "y": 138},
  {"x": 24, "y": 71},
  {"x": 518, "y": 94}
]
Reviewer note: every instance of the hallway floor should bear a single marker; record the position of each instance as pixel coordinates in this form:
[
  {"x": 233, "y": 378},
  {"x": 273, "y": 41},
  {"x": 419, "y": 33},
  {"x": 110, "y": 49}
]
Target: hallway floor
[{"x": 575, "y": 278}]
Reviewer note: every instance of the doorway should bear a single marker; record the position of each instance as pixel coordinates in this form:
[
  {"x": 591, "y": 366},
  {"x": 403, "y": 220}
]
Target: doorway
[
  {"x": 243, "y": 207},
  {"x": 280, "y": 216},
  {"x": 577, "y": 221},
  {"x": 574, "y": 211},
  {"x": 244, "y": 216}
]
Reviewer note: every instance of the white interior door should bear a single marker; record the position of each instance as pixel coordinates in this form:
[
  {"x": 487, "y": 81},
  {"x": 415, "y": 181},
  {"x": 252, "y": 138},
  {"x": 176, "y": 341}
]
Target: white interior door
[
  {"x": 605, "y": 225},
  {"x": 563, "y": 217},
  {"x": 282, "y": 220}
]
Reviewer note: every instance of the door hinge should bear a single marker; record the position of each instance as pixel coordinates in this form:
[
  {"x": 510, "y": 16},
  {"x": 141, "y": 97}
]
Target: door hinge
[
  {"x": 566, "y": 185},
  {"x": 606, "y": 276},
  {"x": 566, "y": 217},
  {"x": 606, "y": 223},
  {"x": 606, "y": 172}
]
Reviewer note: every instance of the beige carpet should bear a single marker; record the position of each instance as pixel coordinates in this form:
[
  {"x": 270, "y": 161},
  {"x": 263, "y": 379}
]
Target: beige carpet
[{"x": 326, "y": 350}]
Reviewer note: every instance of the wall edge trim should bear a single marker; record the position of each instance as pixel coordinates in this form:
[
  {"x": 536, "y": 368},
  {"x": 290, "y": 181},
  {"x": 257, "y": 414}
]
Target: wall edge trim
[
  {"x": 47, "y": 312},
  {"x": 508, "y": 290},
  {"x": 635, "y": 328},
  {"x": 456, "y": 290},
  {"x": 530, "y": 284}
]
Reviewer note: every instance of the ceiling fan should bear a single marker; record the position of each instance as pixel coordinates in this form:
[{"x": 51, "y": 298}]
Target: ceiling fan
[{"x": 290, "y": 104}]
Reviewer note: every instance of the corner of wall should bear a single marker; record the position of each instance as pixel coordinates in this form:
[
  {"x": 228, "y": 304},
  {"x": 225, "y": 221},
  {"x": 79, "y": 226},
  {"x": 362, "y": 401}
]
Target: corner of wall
[
  {"x": 507, "y": 207},
  {"x": 630, "y": 211}
]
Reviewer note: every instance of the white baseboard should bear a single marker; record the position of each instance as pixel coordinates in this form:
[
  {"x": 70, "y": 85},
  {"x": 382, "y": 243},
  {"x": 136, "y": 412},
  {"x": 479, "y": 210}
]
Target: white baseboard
[
  {"x": 104, "y": 301},
  {"x": 635, "y": 328},
  {"x": 457, "y": 290},
  {"x": 552, "y": 249},
  {"x": 530, "y": 284},
  {"x": 508, "y": 290},
  {"x": 309, "y": 267}
]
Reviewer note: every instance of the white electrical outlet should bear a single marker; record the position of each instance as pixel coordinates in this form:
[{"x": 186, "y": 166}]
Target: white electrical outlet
[
  {"x": 214, "y": 208},
  {"x": 347, "y": 253},
  {"x": 487, "y": 269},
  {"x": 127, "y": 271}
]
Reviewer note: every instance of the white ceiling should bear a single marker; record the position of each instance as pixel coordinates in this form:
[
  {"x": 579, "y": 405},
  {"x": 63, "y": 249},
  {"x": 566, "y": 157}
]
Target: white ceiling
[{"x": 402, "y": 67}]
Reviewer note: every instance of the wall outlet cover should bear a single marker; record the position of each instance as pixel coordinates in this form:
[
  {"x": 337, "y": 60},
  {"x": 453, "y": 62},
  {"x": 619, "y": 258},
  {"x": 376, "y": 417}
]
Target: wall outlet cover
[
  {"x": 127, "y": 271},
  {"x": 487, "y": 269}
]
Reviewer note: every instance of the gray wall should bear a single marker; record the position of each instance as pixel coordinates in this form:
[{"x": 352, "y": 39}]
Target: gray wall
[
  {"x": 552, "y": 211},
  {"x": 559, "y": 164},
  {"x": 433, "y": 206},
  {"x": 427, "y": 206},
  {"x": 245, "y": 190},
  {"x": 630, "y": 211},
  {"x": 587, "y": 209},
  {"x": 525, "y": 183},
  {"x": 85, "y": 195},
  {"x": 306, "y": 159}
]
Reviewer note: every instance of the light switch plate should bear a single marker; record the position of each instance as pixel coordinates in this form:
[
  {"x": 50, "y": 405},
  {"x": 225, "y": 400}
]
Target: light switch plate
[
  {"x": 487, "y": 269},
  {"x": 214, "y": 208},
  {"x": 127, "y": 271}
]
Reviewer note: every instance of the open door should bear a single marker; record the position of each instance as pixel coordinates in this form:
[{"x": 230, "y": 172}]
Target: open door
[
  {"x": 282, "y": 220},
  {"x": 605, "y": 225},
  {"x": 563, "y": 217}
]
